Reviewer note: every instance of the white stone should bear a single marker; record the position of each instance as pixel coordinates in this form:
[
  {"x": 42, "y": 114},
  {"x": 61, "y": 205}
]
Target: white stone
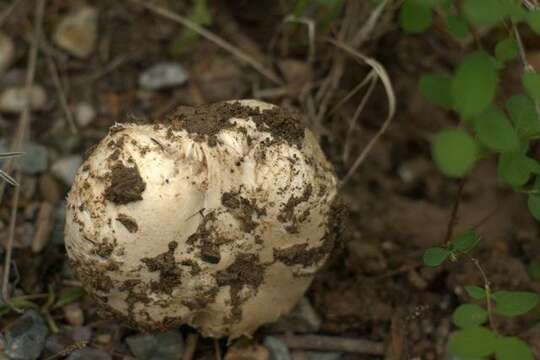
[
  {"x": 84, "y": 114},
  {"x": 7, "y": 52},
  {"x": 15, "y": 99},
  {"x": 162, "y": 76},
  {"x": 65, "y": 168},
  {"x": 77, "y": 32}
]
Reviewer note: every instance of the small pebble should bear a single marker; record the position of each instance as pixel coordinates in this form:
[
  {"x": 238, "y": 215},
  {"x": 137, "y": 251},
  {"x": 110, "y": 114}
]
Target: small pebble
[
  {"x": 44, "y": 226},
  {"x": 247, "y": 351},
  {"x": 25, "y": 338},
  {"x": 84, "y": 114},
  {"x": 49, "y": 189},
  {"x": 65, "y": 168},
  {"x": 164, "y": 346},
  {"x": 314, "y": 355},
  {"x": 278, "y": 349},
  {"x": 14, "y": 100},
  {"x": 77, "y": 32},
  {"x": 302, "y": 319},
  {"x": 67, "y": 337},
  {"x": 7, "y": 52},
  {"x": 162, "y": 76},
  {"x": 104, "y": 339},
  {"x": 89, "y": 354},
  {"x": 74, "y": 314},
  {"x": 34, "y": 160}
]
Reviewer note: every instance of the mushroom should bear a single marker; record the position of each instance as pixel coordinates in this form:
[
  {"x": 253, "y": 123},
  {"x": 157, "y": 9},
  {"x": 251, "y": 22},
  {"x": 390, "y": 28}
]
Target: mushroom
[{"x": 217, "y": 217}]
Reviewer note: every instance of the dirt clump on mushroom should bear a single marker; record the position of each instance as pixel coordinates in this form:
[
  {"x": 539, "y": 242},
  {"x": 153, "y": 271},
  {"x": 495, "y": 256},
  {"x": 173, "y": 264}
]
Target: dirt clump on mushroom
[
  {"x": 129, "y": 223},
  {"x": 246, "y": 270},
  {"x": 126, "y": 185},
  {"x": 209, "y": 120}
]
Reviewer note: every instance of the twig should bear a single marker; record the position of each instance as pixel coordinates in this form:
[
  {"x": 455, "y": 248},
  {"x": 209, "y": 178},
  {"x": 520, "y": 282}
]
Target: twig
[
  {"x": 191, "y": 346},
  {"x": 351, "y": 93},
  {"x": 21, "y": 132},
  {"x": 115, "y": 63},
  {"x": 487, "y": 287},
  {"x": 211, "y": 37},
  {"x": 352, "y": 123},
  {"x": 24, "y": 119},
  {"x": 9, "y": 248},
  {"x": 71, "y": 348},
  {"x": 60, "y": 91},
  {"x": 8, "y": 11},
  {"x": 523, "y": 56},
  {"x": 453, "y": 215},
  {"x": 332, "y": 343},
  {"x": 400, "y": 270},
  {"x": 310, "y": 25},
  {"x": 385, "y": 79}
]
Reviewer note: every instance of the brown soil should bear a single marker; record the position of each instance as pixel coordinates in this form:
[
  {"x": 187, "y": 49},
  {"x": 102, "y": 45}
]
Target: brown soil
[
  {"x": 246, "y": 270},
  {"x": 243, "y": 209},
  {"x": 207, "y": 120},
  {"x": 169, "y": 270},
  {"x": 126, "y": 185},
  {"x": 129, "y": 223}
]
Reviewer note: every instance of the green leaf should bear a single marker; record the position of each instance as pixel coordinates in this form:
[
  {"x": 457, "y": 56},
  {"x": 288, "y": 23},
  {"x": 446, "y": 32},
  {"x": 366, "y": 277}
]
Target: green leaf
[
  {"x": 437, "y": 89},
  {"x": 465, "y": 242},
  {"x": 415, "y": 17},
  {"x": 476, "y": 292},
  {"x": 68, "y": 297},
  {"x": 531, "y": 83},
  {"x": 473, "y": 342},
  {"x": 534, "y": 166},
  {"x": 435, "y": 256},
  {"x": 485, "y": 12},
  {"x": 474, "y": 84},
  {"x": 514, "y": 303},
  {"x": 514, "y": 168},
  {"x": 506, "y": 50},
  {"x": 533, "y": 203},
  {"x": 454, "y": 151},
  {"x": 200, "y": 14},
  {"x": 495, "y": 131},
  {"x": 19, "y": 304},
  {"x": 457, "y": 26},
  {"x": 533, "y": 19},
  {"x": 469, "y": 315},
  {"x": 517, "y": 12},
  {"x": 524, "y": 116},
  {"x": 512, "y": 348},
  {"x": 534, "y": 270}
]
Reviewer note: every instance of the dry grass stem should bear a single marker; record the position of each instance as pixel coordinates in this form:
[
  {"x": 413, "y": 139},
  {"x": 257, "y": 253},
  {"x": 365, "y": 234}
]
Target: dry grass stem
[
  {"x": 269, "y": 74},
  {"x": 21, "y": 134},
  {"x": 385, "y": 79}
]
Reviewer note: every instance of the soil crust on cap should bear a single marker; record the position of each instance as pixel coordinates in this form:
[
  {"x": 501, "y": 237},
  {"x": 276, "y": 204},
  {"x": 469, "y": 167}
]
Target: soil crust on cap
[
  {"x": 126, "y": 185},
  {"x": 243, "y": 209},
  {"x": 300, "y": 254},
  {"x": 129, "y": 223},
  {"x": 169, "y": 272},
  {"x": 207, "y": 121},
  {"x": 246, "y": 270}
]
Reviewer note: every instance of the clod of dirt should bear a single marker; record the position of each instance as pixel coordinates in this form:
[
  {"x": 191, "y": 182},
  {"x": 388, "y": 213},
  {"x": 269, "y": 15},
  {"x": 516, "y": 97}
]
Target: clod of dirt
[{"x": 216, "y": 216}]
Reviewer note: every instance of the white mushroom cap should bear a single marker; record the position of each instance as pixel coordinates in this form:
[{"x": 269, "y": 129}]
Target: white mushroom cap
[{"x": 218, "y": 218}]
